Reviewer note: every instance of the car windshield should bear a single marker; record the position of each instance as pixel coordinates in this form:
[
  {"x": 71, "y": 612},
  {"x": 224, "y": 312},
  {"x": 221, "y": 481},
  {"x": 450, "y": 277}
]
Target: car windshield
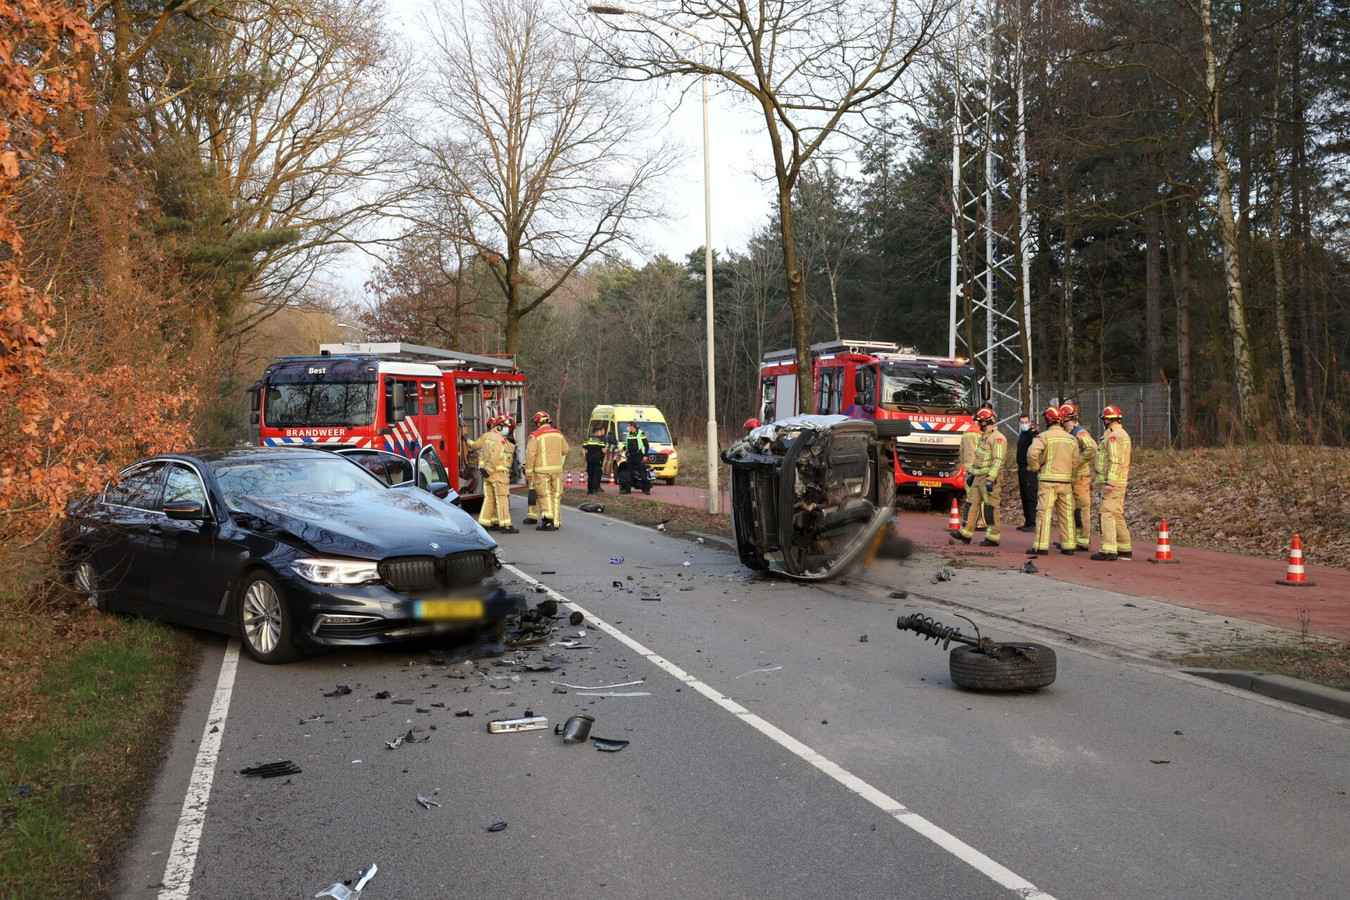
[
  {"x": 320, "y": 473},
  {"x": 657, "y": 432},
  {"x": 919, "y": 388},
  {"x": 313, "y": 404}
]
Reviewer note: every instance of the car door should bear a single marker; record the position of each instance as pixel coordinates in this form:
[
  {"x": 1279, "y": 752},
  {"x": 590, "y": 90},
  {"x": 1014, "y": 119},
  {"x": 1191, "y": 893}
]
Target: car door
[
  {"x": 120, "y": 544},
  {"x": 187, "y": 573}
]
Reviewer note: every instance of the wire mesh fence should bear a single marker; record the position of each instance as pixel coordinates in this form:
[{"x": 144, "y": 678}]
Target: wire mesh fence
[{"x": 1146, "y": 408}]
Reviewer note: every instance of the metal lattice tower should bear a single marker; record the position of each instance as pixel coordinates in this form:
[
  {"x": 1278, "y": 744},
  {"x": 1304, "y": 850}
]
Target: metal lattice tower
[{"x": 990, "y": 315}]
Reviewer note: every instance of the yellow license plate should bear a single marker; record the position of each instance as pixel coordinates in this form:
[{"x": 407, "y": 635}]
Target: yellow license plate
[
  {"x": 930, "y": 484},
  {"x": 448, "y": 609}
]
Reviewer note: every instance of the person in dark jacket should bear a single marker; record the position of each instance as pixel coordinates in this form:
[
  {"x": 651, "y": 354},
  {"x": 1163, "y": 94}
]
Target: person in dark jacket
[
  {"x": 594, "y": 448},
  {"x": 635, "y": 449},
  {"x": 1026, "y": 480}
]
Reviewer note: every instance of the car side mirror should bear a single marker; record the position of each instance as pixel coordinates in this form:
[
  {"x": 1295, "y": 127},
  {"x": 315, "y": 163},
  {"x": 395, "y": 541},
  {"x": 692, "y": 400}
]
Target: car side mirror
[
  {"x": 185, "y": 511},
  {"x": 440, "y": 489}
]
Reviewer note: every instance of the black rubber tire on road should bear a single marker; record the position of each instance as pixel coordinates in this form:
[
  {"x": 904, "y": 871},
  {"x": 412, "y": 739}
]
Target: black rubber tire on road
[
  {"x": 1010, "y": 667},
  {"x": 265, "y": 620}
]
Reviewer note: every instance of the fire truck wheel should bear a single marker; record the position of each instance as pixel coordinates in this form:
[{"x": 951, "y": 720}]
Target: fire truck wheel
[
  {"x": 1009, "y": 667},
  {"x": 87, "y": 582},
  {"x": 265, "y": 620}
]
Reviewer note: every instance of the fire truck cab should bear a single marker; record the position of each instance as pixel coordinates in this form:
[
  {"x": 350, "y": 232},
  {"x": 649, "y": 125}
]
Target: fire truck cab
[
  {"x": 408, "y": 399},
  {"x": 880, "y": 380}
]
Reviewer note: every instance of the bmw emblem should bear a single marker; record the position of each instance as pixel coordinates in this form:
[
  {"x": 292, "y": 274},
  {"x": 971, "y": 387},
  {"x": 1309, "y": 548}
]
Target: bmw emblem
[{"x": 435, "y": 546}]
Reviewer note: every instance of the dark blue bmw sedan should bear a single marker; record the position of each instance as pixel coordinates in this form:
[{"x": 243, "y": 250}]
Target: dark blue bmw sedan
[{"x": 286, "y": 549}]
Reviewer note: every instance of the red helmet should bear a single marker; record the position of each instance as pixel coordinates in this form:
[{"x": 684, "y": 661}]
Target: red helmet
[
  {"x": 1054, "y": 415},
  {"x": 984, "y": 415},
  {"x": 507, "y": 421},
  {"x": 1112, "y": 412},
  {"x": 494, "y": 422},
  {"x": 751, "y": 423},
  {"x": 541, "y": 418},
  {"x": 1070, "y": 410}
]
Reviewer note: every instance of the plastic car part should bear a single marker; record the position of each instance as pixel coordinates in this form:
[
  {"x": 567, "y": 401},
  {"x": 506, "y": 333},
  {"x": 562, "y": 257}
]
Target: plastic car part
[
  {"x": 340, "y": 891},
  {"x": 525, "y": 723},
  {"x": 272, "y": 770},
  {"x": 608, "y": 745}
]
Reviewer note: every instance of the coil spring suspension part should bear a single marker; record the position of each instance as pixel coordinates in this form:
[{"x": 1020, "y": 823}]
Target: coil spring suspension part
[{"x": 942, "y": 634}]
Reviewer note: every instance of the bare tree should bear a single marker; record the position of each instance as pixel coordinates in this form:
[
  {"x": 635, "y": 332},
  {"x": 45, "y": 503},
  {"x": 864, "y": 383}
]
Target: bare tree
[
  {"x": 535, "y": 164},
  {"x": 810, "y": 67}
]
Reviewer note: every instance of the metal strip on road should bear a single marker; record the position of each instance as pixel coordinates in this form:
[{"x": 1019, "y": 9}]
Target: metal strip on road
[
  {"x": 895, "y": 809},
  {"x": 187, "y": 837}
]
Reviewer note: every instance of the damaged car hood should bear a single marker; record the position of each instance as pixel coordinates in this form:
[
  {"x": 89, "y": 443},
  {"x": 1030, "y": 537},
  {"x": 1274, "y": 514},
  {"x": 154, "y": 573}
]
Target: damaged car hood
[{"x": 364, "y": 524}]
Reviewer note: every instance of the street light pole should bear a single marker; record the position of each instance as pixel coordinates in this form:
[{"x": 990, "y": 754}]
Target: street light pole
[{"x": 713, "y": 491}]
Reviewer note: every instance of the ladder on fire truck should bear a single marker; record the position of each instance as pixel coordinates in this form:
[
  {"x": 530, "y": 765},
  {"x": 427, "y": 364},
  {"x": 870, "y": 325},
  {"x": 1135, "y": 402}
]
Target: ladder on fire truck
[{"x": 401, "y": 352}]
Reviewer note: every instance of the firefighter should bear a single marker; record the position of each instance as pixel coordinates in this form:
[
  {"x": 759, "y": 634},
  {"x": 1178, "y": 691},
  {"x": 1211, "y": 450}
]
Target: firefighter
[
  {"x": 986, "y": 469},
  {"x": 494, "y": 458},
  {"x": 594, "y": 448},
  {"x": 545, "y": 453},
  {"x": 635, "y": 452},
  {"x": 1113, "y": 474},
  {"x": 970, "y": 442},
  {"x": 1054, "y": 455},
  {"x": 1082, "y": 481}
]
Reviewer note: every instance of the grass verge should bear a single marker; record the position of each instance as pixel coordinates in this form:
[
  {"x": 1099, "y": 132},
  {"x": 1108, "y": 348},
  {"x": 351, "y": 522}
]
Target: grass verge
[
  {"x": 88, "y": 700},
  {"x": 1321, "y": 662}
]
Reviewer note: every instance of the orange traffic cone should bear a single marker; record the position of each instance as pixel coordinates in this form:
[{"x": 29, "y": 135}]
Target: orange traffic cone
[
  {"x": 954, "y": 521},
  {"x": 1295, "y": 577},
  {"x": 569, "y": 477},
  {"x": 1164, "y": 552}
]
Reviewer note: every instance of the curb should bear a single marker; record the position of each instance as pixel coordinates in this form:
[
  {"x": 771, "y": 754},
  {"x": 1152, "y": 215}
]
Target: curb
[{"x": 1282, "y": 687}]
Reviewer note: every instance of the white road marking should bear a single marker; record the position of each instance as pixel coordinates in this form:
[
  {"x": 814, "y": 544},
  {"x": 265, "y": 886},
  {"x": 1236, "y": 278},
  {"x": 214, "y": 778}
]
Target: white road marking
[
  {"x": 894, "y": 808},
  {"x": 187, "y": 838}
]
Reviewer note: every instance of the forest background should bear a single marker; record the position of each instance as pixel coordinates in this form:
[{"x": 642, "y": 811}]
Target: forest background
[{"x": 180, "y": 180}]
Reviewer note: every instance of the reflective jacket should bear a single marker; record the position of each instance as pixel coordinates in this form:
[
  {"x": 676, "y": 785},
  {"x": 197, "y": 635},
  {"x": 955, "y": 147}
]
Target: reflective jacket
[
  {"x": 636, "y": 442},
  {"x": 494, "y": 455},
  {"x": 970, "y": 442},
  {"x": 1087, "y": 452},
  {"x": 594, "y": 448},
  {"x": 989, "y": 454},
  {"x": 546, "y": 450},
  {"x": 1113, "y": 457},
  {"x": 1054, "y": 455}
]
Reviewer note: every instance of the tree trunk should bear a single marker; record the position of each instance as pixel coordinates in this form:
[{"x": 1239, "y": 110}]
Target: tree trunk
[
  {"x": 1228, "y": 233},
  {"x": 1153, "y": 294}
]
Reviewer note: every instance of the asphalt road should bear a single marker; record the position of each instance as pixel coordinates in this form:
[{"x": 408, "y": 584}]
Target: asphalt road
[{"x": 784, "y": 741}]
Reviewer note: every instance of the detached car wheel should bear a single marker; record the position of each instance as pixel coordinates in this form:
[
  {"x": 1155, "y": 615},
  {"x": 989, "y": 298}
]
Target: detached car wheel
[
  {"x": 1008, "y": 667},
  {"x": 264, "y": 622},
  {"x": 87, "y": 582}
]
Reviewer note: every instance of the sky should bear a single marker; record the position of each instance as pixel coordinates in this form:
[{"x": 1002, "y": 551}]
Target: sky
[{"x": 738, "y": 150}]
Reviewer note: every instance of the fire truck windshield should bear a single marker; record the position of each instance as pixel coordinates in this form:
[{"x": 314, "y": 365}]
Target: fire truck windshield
[
  {"x": 315, "y": 404},
  {"x": 915, "y": 387}
]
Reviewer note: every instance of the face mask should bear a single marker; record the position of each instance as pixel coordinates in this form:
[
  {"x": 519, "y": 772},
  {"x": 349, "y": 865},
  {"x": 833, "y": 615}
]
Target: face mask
[
  {"x": 505, "y": 430},
  {"x": 1025, "y": 426}
]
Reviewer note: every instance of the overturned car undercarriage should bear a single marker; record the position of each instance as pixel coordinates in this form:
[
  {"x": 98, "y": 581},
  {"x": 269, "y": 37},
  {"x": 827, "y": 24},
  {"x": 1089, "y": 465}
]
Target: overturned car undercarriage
[{"x": 810, "y": 494}]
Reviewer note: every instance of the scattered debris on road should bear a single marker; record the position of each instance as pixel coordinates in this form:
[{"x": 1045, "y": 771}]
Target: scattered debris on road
[
  {"x": 272, "y": 770},
  {"x": 341, "y": 891}
]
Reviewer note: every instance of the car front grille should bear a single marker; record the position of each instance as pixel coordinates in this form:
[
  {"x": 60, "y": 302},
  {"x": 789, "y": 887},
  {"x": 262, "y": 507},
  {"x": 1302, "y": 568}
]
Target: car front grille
[{"x": 420, "y": 573}]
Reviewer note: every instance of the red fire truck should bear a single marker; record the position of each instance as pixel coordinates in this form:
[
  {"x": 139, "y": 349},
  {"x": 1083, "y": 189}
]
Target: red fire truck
[
  {"x": 423, "y": 403},
  {"x": 880, "y": 380}
]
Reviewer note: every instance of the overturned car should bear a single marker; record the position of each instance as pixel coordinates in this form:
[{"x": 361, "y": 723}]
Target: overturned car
[{"x": 810, "y": 494}]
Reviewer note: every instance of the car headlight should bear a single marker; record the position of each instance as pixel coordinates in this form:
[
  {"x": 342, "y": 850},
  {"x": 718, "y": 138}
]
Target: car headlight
[
  {"x": 673, "y": 455},
  {"x": 349, "y": 572}
]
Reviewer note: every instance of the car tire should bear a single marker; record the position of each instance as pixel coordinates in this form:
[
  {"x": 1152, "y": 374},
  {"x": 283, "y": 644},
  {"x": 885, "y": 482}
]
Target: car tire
[
  {"x": 265, "y": 622},
  {"x": 87, "y": 582},
  {"x": 1008, "y": 667},
  {"x": 668, "y": 480}
]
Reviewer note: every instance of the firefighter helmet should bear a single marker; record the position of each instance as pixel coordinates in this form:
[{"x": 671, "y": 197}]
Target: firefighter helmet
[
  {"x": 542, "y": 418},
  {"x": 1070, "y": 410},
  {"x": 985, "y": 416},
  {"x": 494, "y": 422},
  {"x": 1054, "y": 415},
  {"x": 507, "y": 421},
  {"x": 1112, "y": 412},
  {"x": 751, "y": 423}
]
